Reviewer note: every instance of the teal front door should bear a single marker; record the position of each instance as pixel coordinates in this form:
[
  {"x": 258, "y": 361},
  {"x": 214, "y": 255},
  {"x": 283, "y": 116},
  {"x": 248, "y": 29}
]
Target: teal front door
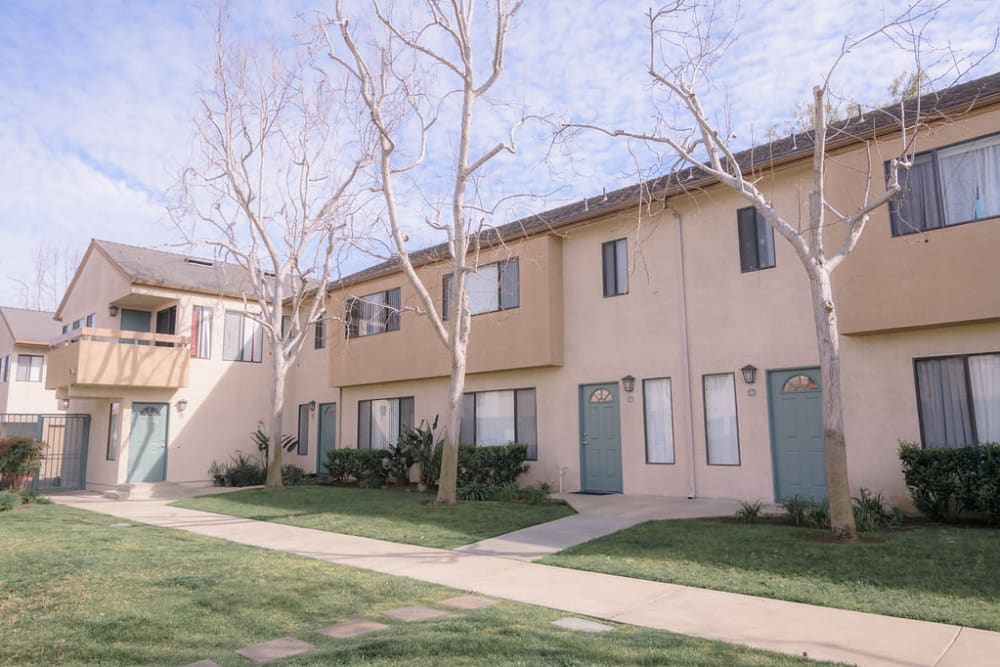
[
  {"x": 600, "y": 438},
  {"x": 796, "y": 403},
  {"x": 147, "y": 444},
  {"x": 327, "y": 436}
]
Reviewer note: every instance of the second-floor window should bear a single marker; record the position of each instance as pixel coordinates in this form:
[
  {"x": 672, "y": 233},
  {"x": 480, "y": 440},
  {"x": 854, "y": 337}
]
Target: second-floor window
[
  {"x": 949, "y": 186},
  {"x": 201, "y": 332},
  {"x": 91, "y": 319},
  {"x": 614, "y": 266},
  {"x": 373, "y": 313},
  {"x": 490, "y": 287},
  {"x": 29, "y": 367},
  {"x": 4, "y": 367},
  {"x": 756, "y": 240},
  {"x": 381, "y": 421},
  {"x": 243, "y": 338},
  {"x": 319, "y": 342}
]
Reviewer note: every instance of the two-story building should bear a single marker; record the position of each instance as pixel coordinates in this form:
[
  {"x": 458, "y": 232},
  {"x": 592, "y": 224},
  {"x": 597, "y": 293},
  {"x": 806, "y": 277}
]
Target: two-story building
[
  {"x": 158, "y": 349},
  {"x": 668, "y": 346},
  {"x": 24, "y": 343}
]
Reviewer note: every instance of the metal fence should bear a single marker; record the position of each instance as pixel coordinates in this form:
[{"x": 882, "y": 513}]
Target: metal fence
[{"x": 65, "y": 438}]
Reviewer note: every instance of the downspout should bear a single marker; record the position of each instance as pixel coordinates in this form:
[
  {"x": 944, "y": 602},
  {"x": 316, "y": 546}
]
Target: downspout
[{"x": 685, "y": 351}]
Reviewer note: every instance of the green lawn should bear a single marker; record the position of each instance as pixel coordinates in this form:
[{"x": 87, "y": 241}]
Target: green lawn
[
  {"x": 933, "y": 573},
  {"x": 81, "y": 588},
  {"x": 395, "y": 516}
]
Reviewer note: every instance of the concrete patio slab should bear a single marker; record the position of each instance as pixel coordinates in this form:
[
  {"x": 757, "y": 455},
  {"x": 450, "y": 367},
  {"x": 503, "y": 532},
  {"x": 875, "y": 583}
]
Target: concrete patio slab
[
  {"x": 468, "y": 602},
  {"x": 352, "y": 628},
  {"x": 581, "y": 625},
  {"x": 282, "y": 647},
  {"x": 410, "y": 614}
]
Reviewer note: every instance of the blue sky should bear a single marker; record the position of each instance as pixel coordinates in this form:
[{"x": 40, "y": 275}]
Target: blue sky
[{"x": 98, "y": 99}]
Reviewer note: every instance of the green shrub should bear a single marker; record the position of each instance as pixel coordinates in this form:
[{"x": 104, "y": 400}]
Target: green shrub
[
  {"x": 20, "y": 459},
  {"x": 474, "y": 491},
  {"x": 798, "y": 508},
  {"x": 9, "y": 500},
  {"x": 418, "y": 446},
  {"x": 341, "y": 464},
  {"x": 492, "y": 466},
  {"x": 34, "y": 499},
  {"x": 370, "y": 467},
  {"x": 819, "y": 515},
  {"x": 292, "y": 475},
  {"x": 508, "y": 493},
  {"x": 536, "y": 494},
  {"x": 748, "y": 511},
  {"x": 244, "y": 471},
  {"x": 870, "y": 512},
  {"x": 944, "y": 482}
]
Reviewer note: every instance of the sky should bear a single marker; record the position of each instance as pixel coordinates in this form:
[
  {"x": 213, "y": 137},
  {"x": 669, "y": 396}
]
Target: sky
[{"x": 98, "y": 100}]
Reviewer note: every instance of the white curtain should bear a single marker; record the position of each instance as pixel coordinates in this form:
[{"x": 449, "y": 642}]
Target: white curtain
[
  {"x": 385, "y": 423},
  {"x": 495, "y": 417},
  {"x": 944, "y": 403},
  {"x": 372, "y": 314},
  {"x": 659, "y": 421},
  {"x": 984, "y": 376},
  {"x": 483, "y": 289},
  {"x": 970, "y": 178},
  {"x": 720, "y": 420}
]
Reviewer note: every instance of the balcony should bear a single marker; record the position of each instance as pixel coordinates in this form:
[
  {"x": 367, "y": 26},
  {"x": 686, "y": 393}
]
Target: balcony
[{"x": 111, "y": 358}]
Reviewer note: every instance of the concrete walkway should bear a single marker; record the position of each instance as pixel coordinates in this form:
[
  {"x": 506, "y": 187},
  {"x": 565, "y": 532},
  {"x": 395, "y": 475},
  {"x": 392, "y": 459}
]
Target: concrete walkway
[{"x": 788, "y": 627}]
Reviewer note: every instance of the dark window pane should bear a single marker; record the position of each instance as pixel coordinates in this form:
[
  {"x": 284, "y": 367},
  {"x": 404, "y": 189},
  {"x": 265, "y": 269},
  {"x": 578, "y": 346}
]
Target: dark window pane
[
  {"x": 405, "y": 413},
  {"x": 446, "y": 296},
  {"x": 303, "y": 429},
  {"x": 510, "y": 290},
  {"x": 747, "y": 227},
  {"x": 467, "y": 434},
  {"x": 765, "y": 242},
  {"x": 527, "y": 421},
  {"x": 608, "y": 266},
  {"x": 392, "y": 306},
  {"x": 364, "y": 424},
  {"x": 916, "y": 207},
  {"x": 944, "y": 403}
]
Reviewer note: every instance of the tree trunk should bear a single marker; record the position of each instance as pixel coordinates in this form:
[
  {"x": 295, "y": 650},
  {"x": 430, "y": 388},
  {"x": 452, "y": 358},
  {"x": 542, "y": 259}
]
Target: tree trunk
[
  {"x": 277, "y": 410},
  {"x": 448, "y": 481},
  {"x": 838, "y": 487}
]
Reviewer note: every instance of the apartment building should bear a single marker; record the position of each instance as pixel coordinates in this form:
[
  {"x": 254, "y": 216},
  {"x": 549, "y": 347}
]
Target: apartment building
[
  {"x": 662, "y": 348},
  {"x": 674, "y": 352},
  {"x": 24, "y": 342},
  {"x": 157, "y": 348}
]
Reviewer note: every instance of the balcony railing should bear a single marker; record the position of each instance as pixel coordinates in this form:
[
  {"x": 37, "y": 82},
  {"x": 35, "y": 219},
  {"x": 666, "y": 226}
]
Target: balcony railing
[{"x": 111, "y": 357}]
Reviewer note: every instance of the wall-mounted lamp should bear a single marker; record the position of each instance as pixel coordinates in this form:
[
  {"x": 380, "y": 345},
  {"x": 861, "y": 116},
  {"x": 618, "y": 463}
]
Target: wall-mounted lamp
[
  {"x": 112, "y": 310},
  {"x": 749, "y": 373},
  {"x": 182, "y": 405},
  {"x": 628, "y": 383},
  {"x": 64, "y": 404},
  {"x": 312, "y": 406}
]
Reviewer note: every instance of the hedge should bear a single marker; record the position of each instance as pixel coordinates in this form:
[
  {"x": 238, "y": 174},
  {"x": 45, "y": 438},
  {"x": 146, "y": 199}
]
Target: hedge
[
  {"x": 20, "y": 459},
  {"x": 946, "y": 482},
  {"x": 489, "y": 466}
]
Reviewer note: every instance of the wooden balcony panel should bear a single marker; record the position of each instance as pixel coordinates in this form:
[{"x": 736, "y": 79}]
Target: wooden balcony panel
[{"x": 108, "y": 357}]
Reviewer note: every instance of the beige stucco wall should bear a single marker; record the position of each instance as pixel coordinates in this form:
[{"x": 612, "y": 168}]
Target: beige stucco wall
[{"x": 24, "y": 397}]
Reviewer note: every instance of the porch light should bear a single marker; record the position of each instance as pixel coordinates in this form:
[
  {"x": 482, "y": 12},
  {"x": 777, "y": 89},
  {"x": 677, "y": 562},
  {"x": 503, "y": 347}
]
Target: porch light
[
  {"x": 112, "y": 310},
  {"x": 312, "y": 406},
  {"x": 749, "y": 373},
  {"x": 64, "y": 404},
  {"x": 628, "y": 383},
  {"x": 182, "y": 405}
]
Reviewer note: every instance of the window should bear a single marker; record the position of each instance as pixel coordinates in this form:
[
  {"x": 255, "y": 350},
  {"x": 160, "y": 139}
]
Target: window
[
  {"x": 242, "y": 339},
  {"x": 373, "y": 314},
  {"x": 319, "y": 342},
  {"x": 721, "y": 429},
  {"x": 756, "y": 240},
  {"x": 114, "y": 430},
  {"x": 201, "y": 332},
  {"x": 490, "y": 288},
  {"x": 949, "y": 186},
  {"x": 65, "y": 328},
  {"x": 4, "y": 367},
  {"x": 29, "y": 368},
  {"x": 659, "y": 420},
  {"x": 959, "y": 400},
  {"x": 381, "y": 421},
  {"x": 91, "y": 319},
  {"x": 491, "y": 418},
  {"x": 286, "y": 325},
  {"x": 303, "y": 447},
  {"x": 614, "y": 261},
  {"x": 76, "y": 324}
]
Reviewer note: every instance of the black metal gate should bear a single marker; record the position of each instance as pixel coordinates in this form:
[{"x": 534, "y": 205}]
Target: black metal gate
[{"x": 65, "y": 437}]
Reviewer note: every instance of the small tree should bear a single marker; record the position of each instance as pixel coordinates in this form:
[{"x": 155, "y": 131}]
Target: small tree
[
  {"x": 271, "y": 190},
  {"x": 680, "y": 57},
  {"x": 404, "y": 76}
]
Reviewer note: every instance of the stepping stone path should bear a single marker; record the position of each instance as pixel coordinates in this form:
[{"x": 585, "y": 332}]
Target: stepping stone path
[
  {"x": 581, "y": 625},
  {"x": 288, "y": 646},
  {"x": 274, "y": 649},
  {"x": 410, "y": 614},
  {"x": 352, "y": 628},
  {"x": 467, "y": 602}
]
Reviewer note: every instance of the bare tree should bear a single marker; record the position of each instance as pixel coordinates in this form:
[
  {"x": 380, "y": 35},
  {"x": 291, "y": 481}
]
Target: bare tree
[
  {"x": 271, "y": 189},
  {"x": 405, "y": 73},
  {"x": 685, "y": 40},
  {"x": 54, "y": 264}
]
